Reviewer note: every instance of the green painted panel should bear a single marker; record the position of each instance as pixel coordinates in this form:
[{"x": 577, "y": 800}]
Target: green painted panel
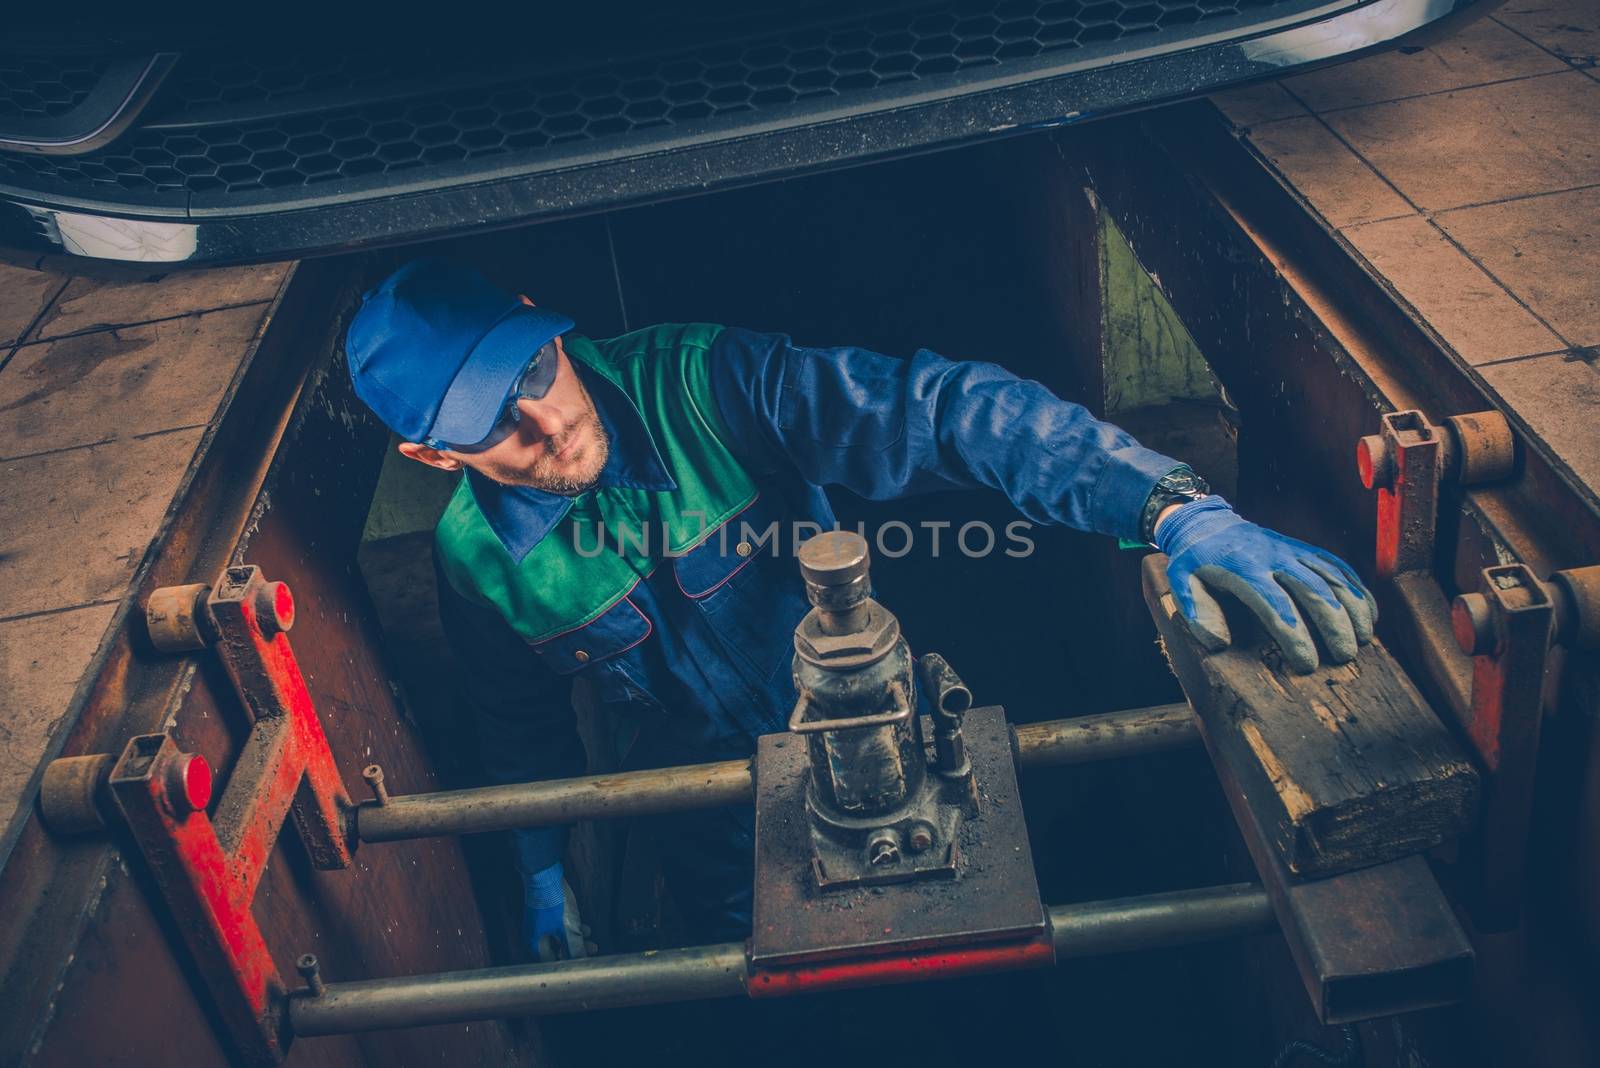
[
  {"x": 1149, "y": 356},
  {"x": 410, "y": 497}
]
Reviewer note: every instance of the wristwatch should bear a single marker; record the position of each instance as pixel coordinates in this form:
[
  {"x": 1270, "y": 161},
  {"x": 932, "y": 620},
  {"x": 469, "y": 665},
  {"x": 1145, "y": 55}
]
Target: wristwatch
[{"x": 1178, "y": 486}]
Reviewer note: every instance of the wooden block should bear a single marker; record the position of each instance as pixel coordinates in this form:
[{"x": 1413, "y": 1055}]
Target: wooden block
[{"x": 1344, "y": 768}]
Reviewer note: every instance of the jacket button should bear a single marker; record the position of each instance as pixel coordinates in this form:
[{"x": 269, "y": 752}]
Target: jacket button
[
  {"x": 581, "y": 656},
  {"x": 743, "y": 548}
]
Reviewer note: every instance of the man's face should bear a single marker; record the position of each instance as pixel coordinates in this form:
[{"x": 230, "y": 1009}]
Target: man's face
[{"x": 559, "y": 444}]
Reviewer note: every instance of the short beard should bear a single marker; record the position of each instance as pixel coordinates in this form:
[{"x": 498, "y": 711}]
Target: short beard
[{"x": 542, "y": 475}]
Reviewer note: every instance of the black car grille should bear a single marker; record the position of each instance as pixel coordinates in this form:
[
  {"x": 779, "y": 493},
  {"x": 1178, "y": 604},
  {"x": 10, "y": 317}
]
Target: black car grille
[
  {"x": 209, "y": 81},
  {"x": 44, "y": 87},
  {"x": 308, "y": 147}
]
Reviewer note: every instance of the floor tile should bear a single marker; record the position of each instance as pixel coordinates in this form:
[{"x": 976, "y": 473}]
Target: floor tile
[
  {"x": 1569, "y": 28},
  {"x": 1473, "y": 314},
  {"x": 90, "y": 303},
  {"x": 74, "y": 524},
  {"x": 121, "y": 383},
  {"x": 1546, "y": 250},
  {"x": 42, "y": 659},
  {"x": 1257, "y": 104},
  {"x": 1342, "y": 188},
  {"x": 1559, "y": 398},
  {"x": 1517, "y": 138},
  {"x": 1484, "y": 51},
  {"x": 23, "y": 295}
]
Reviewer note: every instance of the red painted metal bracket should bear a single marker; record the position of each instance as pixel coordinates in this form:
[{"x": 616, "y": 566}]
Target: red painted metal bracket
[
  {"x": 1507, "y": 627},
  {"x": 1403, "y": 464},
  {"x": 1508, "y": 670},
  {"x": 208, "y": 867}
]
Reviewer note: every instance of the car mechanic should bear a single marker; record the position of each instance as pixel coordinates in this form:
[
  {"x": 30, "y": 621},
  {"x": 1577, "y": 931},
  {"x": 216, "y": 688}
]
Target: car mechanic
[{"x": 695, "y": 431}]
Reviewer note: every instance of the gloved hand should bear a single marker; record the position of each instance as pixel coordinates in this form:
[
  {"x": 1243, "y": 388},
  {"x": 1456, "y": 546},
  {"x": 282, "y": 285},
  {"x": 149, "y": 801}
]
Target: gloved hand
[
  {"x": 1210, "y": 548},
  {"x": 550, "y": 917}
]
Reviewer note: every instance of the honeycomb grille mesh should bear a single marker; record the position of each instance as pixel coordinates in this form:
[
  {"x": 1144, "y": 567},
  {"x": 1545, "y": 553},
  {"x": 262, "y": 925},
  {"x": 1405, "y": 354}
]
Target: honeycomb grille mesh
[
  {"x": 42, "y": 88},
  {"x": 216, "y": 81},
  {"x": 387, "y": 137}
]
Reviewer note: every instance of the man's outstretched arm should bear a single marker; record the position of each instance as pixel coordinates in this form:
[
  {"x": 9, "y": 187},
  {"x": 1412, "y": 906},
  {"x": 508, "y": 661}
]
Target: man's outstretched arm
[{"x": 888, "y": 428}]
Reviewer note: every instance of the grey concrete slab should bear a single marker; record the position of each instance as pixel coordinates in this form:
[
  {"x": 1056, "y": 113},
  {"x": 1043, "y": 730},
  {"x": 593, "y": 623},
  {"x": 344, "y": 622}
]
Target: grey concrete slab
[
  {"x": 23, "y": 296},
  {"x": 75, "y": 524},
  {"x": 1559, "y": 398},
  {"x": 1341, "y": 188},
  {"x": 117, "y": 384},
  {"x": 1467, "y": 308},
  {"x": 96, "y": 304},
  {"x": 42, "y": 660},
  {"x": 1569, "y": 28},
  {"x": 1472, "y": 146},
  {"x": 1482, "y": 52},
  {"x": 1546, "y": 250}
]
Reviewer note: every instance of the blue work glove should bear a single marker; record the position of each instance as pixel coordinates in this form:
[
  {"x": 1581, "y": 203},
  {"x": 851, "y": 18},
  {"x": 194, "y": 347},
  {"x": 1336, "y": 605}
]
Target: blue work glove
[
  {"x": 1284, "y": 582},
  {"x": 550, "y": 916}
]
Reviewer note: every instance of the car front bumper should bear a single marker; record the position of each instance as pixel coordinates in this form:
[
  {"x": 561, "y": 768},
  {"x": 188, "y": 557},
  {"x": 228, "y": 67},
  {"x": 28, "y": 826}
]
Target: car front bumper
[{"x": 40, "y": 221}]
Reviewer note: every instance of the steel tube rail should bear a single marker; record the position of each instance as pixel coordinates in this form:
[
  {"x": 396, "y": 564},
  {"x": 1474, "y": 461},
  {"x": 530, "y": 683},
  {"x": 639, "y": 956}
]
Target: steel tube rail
[
  {"x": 623, "y": 980},
  {"x": 558, "y": 801},
  {"x": 608, "y": 982},
  {"x": 695, "y": 786},
  {"x": 1114, "y": 734},
  {"x": 1153, "y": 921}
]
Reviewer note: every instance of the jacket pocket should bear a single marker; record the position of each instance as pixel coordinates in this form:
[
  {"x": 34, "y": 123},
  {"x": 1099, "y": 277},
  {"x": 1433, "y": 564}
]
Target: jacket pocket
[
  {"x": 610, "y": 634},
  {"x": 598, "y": 652},
  {"x": 745, "y": 581},
  {"x": 727, "y": 550}
]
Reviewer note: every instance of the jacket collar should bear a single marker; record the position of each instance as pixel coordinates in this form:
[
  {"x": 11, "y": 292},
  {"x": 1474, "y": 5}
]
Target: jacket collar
[{"x": 521, "y": 517}]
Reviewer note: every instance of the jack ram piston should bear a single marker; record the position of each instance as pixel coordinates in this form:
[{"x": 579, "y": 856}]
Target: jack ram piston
[{"x": 878, "y": 813}]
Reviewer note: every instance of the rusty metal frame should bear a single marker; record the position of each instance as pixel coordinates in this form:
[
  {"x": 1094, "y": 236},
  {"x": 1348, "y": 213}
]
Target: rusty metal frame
[
  {"x": 208, "y": 867},
  {"x": 1500, "y": 708},
  {"x": 1319, "y": 355},
  {"x": 1503, "y": 722},
  {"x": 1402, "y": 463},
  {"x": 208, "y": 871},
  {"x": 49, "y": 891},
  {"x": 1306, "y": 338},
  {"x": 1508, "y": 629}
]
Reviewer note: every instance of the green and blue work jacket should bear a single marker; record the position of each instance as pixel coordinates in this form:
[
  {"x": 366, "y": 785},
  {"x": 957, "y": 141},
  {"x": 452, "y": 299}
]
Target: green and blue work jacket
[{"x": 670, "y": 585}]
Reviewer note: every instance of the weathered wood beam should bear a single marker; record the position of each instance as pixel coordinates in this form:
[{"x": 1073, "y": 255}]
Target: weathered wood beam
[
  {"x": 1345, "y": 767},
  {"x": 1374, "y": 941}
]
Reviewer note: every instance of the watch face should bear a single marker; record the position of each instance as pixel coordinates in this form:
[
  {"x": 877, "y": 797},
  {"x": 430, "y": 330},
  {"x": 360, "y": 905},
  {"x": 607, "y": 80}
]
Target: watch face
[
  {"x": 1175, "y": 487},
  {"x": 1184, "y": 484}
]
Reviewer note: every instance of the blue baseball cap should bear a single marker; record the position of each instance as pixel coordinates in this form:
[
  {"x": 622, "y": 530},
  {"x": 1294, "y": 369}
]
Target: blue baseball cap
[{"x": 436, "y": 349}]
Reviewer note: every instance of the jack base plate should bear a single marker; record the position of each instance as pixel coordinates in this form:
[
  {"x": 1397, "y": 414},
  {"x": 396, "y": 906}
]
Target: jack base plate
[{"x": 993, "y": 896}]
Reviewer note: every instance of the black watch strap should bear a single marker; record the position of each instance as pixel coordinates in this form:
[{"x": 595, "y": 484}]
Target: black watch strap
[{"x": 1177, "y": 486}]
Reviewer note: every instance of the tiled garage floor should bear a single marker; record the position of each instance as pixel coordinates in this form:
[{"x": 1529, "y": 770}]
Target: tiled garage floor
[
  {"x": 105, "y": 391},
  {"x": 1468, "y": 175}
]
